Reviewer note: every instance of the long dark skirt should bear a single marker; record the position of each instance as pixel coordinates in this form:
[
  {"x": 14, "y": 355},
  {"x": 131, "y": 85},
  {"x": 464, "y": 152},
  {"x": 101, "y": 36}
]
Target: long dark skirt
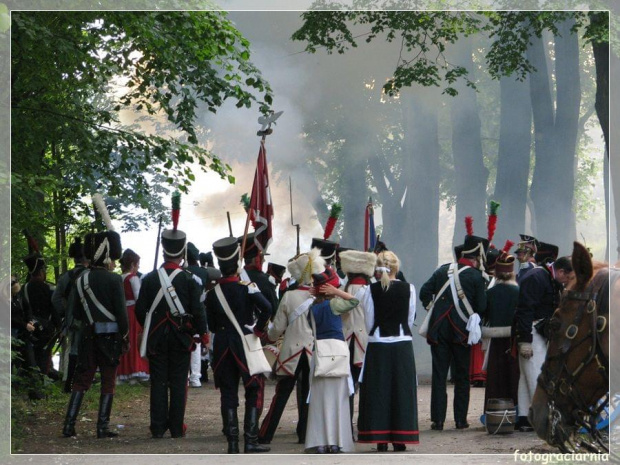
[
  {"x": 388, "y": 406},
  {"x": 502, "y": 372}
]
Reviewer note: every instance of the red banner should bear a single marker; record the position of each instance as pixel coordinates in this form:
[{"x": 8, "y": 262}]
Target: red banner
[{"x": 261, "y": 209}]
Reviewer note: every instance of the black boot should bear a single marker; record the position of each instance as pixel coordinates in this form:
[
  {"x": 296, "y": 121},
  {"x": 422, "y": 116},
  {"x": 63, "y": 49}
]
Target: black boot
[
  {"x": 231, "y": 429},
  {"x": 103, "y": 419},
  {"x": 250, "y": 430},
  {"x": 72, "y": 412}
]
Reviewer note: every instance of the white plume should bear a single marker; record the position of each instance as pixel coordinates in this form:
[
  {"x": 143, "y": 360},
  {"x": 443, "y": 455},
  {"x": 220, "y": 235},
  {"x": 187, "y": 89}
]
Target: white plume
[{"x": 103, "y": 211}]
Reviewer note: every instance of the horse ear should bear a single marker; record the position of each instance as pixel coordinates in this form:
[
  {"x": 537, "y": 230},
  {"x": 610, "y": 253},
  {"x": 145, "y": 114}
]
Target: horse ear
[{"x": 582, "y": 265}]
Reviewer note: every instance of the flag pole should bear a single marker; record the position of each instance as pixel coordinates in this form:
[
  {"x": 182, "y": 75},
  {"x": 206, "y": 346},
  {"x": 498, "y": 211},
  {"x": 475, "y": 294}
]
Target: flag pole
[{"x": 265, "y": 121}]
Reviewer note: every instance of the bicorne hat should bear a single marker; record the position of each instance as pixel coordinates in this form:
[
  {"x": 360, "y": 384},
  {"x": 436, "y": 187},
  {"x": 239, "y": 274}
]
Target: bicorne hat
[{"x": 546, "y": 253}]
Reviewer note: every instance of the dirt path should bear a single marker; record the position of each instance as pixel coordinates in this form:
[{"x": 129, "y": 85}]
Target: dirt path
[{"x": 204, "y": 430}]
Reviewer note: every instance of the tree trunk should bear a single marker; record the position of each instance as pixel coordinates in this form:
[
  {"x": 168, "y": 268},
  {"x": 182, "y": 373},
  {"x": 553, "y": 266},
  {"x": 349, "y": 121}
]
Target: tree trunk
[
  {"x": 601, "y": 61},
  {"x": 419, "y": 220},
  {"x": 471, "y": 174},
  {"x": 614, "y": 166},
  {"x": 553, "y": 184},
  {"x": 513, "y": 160}
]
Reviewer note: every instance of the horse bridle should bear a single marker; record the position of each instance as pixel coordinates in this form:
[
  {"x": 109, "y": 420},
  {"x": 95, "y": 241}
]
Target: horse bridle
[{"x": 564, "y": 380}]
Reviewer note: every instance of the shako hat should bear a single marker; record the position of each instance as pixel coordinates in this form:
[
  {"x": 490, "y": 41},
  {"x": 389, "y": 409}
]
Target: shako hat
[
  {"x": 251, "y": 250},
  {"x": 458, "y": 249},
  {"x": 546, "y": 253},
  {"x": 492, "y": 256},
  {"x": 76, "y": 249},
  {"x": 192, "y": 252},
  {"x": 505, "y": 263},
  {"x": 102, "y": 247},
  {"x": 527, "y": 243},
  {"x": 173, "y": 240},
  {"x": 474, "y": 246},
  {"x": 327, "y": 247},
  {"x": 34, "y": 262},
  {"x": 226, "y": 251},
  {"x": 276, "y": 270},
  {"x": 353, "y": 261}
]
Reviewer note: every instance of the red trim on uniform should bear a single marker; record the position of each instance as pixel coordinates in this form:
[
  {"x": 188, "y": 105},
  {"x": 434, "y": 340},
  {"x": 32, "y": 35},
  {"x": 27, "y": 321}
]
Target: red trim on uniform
[
  {"x": 228, "y": 279},
  {"x": 466, "y": 262},
  {"x": 252, "y": 266},
  {"x": 358, "y": 280},
  {"x": 171, "y": 266},
  {"x": 220, "y": 361},
  {"x": 302, "y": 288}
]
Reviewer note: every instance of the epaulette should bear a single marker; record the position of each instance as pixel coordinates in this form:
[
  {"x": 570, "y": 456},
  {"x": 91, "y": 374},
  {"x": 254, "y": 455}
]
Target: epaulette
[{"x": 245, "y": 283}]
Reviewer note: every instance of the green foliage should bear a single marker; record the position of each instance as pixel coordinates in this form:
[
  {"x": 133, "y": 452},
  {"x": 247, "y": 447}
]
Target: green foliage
[
  {"x": 425, "y": 35},
  {"x": 108, "y": 102}
]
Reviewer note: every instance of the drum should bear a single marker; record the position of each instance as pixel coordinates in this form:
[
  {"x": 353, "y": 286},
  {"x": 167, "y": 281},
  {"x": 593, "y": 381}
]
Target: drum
[{"x": 501, "y": 416}]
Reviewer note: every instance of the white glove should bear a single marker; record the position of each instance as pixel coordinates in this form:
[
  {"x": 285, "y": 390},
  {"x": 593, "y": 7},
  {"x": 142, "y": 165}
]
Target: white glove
[
  {"x": 473, "y": 326},
  {"x": 525, "y": 350}
]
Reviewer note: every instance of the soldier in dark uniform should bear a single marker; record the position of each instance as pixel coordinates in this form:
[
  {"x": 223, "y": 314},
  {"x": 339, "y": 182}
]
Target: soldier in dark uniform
[
  {"x": 62, "y": 299},
  {"x": 539, "y": 296},
  {"x": 37, "y": 303},
  {"x": 229, "y": 362},
  {"x": 525, "y": 253},
  {"x": 170, "y": 323},
  {"x": 99, "y": 304},
  {"x": 447, "y": 333},
  {"x": 253, "y": 272},
  {"x": 276, "y": 273}
]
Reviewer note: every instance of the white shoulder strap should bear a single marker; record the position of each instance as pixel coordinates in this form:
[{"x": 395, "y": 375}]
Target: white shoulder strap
[
  {"x": 300, "y": 310},
  {"x": 176, "y": 307},
  {"x": 457, "y": 292},
  {"x": 84, "y": 287},
  {"x": 229, "y": 313},
  {"x": 147, "y": 322}
]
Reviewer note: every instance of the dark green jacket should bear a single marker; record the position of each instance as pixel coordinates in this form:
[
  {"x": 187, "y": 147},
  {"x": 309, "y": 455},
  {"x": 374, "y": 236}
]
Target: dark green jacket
[
  {"x": 502, "y": 301},
  {"x": 162, "y": 320},
  {"x": 108, "y": 289},
  {"x": 444, "y": 312}
]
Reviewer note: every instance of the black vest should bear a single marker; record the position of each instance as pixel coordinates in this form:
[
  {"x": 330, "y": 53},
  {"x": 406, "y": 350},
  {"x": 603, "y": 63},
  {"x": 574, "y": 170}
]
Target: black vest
[{"x": 391, "y": 308}]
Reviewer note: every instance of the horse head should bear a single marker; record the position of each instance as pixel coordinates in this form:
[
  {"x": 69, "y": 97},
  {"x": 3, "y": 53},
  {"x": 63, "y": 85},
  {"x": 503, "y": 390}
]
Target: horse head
[{"x": 574, "y": 375}]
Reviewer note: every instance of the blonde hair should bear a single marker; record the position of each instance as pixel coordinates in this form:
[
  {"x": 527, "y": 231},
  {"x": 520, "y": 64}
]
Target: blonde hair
[{"x": 387, "y": 259}]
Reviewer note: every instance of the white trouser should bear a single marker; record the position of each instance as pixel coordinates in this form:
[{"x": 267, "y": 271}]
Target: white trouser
[
  {"x": 530, "y": 369},
  {"x": 194, "y": 364}
]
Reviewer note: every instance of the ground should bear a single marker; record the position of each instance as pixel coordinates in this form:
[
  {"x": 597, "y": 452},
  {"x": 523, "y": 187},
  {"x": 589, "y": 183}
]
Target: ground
[{"x": 204, "y": 434}]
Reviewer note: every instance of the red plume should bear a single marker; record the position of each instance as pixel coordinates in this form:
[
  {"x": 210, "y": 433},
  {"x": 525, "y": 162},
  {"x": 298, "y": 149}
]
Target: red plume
[
  {"x": 492, "y": 220},
  {"x": 33, "y": 246},
  {"x": 331, "y": 221},
  {"x": 508, "y": 246},
  {"x": 469, "y": 225}
]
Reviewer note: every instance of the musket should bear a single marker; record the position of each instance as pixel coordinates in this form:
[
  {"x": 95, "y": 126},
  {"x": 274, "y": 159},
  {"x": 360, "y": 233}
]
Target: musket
[
  {"x": 229, "y": 224},
  {"x": 157, "y": 245},
  {"x": 290, "y": 186}
]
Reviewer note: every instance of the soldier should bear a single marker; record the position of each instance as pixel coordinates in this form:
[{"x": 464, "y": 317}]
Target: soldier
[
  {"x": 253, "y": 272},
  {"x": 539, "y": 296},
  {"x": 276, "y": 273},
  {"x": 296, "y": 349},
  {"x": 99, "y": 304},
  {"x": 37, "y": 302},
  {"x": 202, "y": 275},
  {"x": 447, "y": 333},
  {"x": 525, "y": 253},
  {"x": 229, "y": 361},
  {"x": 62, "y": 299},
  {"x": 170, "y": 311},
  {"x": 358, "y": 267}
]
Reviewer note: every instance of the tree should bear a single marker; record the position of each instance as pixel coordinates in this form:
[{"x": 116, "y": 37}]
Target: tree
[{"x": 78, "y": 80}]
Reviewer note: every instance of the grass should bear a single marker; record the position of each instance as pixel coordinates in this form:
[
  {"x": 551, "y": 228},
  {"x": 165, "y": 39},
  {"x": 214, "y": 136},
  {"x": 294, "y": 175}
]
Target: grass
[{"x": 25, "y": 412}]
